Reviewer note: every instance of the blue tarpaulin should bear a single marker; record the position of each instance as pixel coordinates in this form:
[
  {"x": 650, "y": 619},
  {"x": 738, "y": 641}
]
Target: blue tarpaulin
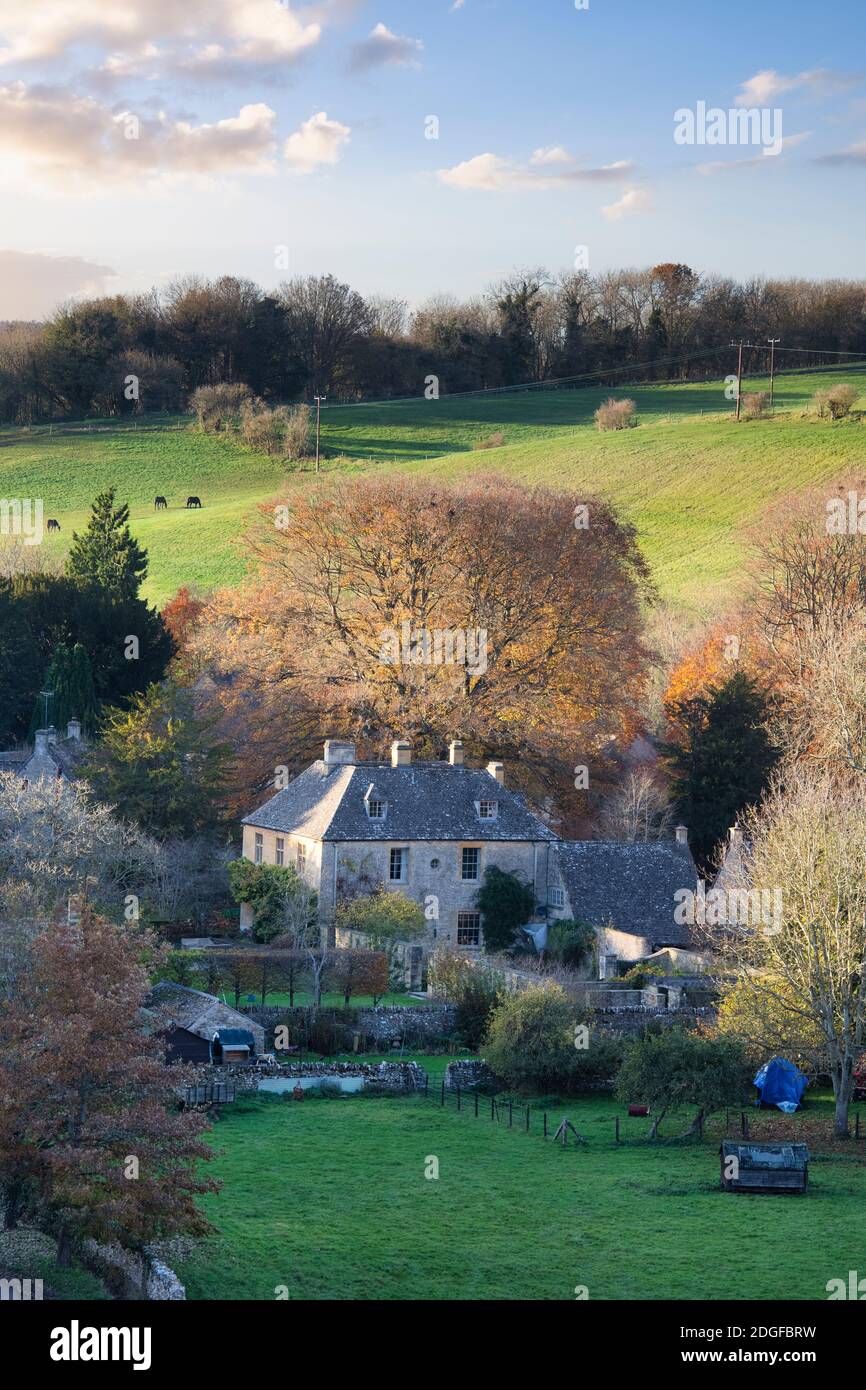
[{"x": 780, "y": 1083}]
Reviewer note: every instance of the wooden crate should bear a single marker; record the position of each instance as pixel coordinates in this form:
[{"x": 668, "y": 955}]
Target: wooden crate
[{"x": 763, "y": 1167}]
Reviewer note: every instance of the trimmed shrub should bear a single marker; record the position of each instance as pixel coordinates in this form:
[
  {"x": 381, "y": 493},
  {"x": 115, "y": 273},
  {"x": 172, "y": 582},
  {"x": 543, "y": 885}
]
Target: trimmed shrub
[
  {"x": 835, "y": 401},
  {"x": 616, "y": 415},
  {"x": 754, "y": 404}
]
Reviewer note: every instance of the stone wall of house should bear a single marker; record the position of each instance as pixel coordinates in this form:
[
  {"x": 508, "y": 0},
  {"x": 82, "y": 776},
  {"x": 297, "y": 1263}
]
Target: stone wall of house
[{"x": 440, "y": 890}]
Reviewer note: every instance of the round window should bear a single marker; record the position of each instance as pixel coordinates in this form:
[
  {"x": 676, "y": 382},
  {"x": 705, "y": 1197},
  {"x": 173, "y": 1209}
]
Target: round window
[{"x": 434, "y": 863}]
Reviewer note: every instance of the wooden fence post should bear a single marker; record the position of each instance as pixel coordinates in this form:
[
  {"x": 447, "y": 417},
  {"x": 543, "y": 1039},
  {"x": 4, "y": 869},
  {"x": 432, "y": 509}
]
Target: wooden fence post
[
  {"x": 545, "y": 1124},
  {"x": 476, "y": 1105},
  {"x": 442, "y": 1101},
  {"x": 510, "y": 1110},
  {"x": 527, "y": 1119},
  {"x": 616, "y": 1140},
  {"x": 458, "y": 1097}
]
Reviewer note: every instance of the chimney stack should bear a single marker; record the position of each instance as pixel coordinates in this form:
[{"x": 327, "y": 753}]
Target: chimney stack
[
  {"x": 40, "y": 741},
  {"x": 497, "y": 770},
  {"x": 339, "y": 751},
  {"x": 682, "y": 834},
  {"x": 455, "y": 752},
  {"x": 736, "y": 836},
  {"x": 401, "y": 753},
  {"x": 73, "y": 729}
]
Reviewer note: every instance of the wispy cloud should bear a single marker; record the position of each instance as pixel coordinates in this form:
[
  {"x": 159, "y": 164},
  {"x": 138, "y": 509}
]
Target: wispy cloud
[
  {"x": 767, "y": 85},
  {"x": 549, "y": 167},
  {"x": 757, "y": 161},
  {"x": 382, "y": 48},
  {"x": 854, "y": 154},
  {"x": 32, "y": 283}
]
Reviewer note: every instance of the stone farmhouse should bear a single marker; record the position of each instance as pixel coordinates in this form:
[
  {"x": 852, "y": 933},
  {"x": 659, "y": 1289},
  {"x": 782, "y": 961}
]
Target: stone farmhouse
[
  {"x": 52, "y": 755},
  {"x": 430, "y": 829}
]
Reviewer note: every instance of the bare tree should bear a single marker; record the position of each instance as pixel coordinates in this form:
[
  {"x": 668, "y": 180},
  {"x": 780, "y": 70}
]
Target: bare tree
[
  {"x": 636, "y": 809},
  {"x": 808, "y": 841}
]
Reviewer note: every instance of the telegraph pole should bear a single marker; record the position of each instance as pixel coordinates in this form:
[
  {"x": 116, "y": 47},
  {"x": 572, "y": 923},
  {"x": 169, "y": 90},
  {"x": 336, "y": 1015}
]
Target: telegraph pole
[
  {"x": 739, "y": 374},
  {"x": 318, "y": 400},
  {"x": 772, "y": 342}
]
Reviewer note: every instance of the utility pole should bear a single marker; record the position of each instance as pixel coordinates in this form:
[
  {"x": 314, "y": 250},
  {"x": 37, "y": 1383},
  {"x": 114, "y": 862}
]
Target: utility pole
[
  {"x": 739, "y": 374},
  {"x": 318, "y": 400},
  {"x": 772, "y": 342}
]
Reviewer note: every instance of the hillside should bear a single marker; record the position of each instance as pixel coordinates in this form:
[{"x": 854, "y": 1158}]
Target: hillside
[{"x": 687, "y": 476}]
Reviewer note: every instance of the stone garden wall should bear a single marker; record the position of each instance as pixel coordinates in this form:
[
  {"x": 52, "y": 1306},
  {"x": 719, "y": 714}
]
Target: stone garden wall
[{"x": 380, "y": 1027}]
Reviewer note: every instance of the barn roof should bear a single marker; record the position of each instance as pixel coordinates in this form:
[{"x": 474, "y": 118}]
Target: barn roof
[
  {"x": 425, "y": 801},
  {"x": 200, "y": 1013},
  {"x": 628, "y": 886}
]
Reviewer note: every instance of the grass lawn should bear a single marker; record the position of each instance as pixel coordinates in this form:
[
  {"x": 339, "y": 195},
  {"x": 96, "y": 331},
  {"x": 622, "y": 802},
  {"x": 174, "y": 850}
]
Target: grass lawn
[
  {"x": 329, "y": 1198},
  {"x": 336, "y": 1001},
  {"x": 688, "y": 477}
]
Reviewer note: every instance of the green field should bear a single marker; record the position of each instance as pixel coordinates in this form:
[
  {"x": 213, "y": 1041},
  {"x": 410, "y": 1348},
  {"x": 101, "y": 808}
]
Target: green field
[
  {"x": 687, "y": 476},
  {"x": 329, "y": 1199}
]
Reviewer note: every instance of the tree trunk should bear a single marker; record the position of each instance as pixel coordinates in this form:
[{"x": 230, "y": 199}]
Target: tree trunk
[
  {"x": 654, "y": 1127},
  {"x": 696, "y": 1126},
  {"x": 843, "y": 1085},
  {"x": 64, "y": 1249},
  {"x": 840, "y": 1122}
]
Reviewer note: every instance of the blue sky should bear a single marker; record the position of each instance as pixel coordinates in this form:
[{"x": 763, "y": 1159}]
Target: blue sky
[{"x": 143, "y": 139}]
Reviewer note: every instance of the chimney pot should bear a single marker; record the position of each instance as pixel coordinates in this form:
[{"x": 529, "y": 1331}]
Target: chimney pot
[
  {"x": 682, "y": 833},
  {"x": 455, "y": 752},
  {"x": 497, "y": 770},
  {"x": 401, "y": 753},
  {"x": 339, "y": 751}
]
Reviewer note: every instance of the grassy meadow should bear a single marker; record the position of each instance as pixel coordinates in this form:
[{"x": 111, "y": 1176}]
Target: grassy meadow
[
  {"x": 329, "y": 1199},
  {"x": 688, "y": 477}
]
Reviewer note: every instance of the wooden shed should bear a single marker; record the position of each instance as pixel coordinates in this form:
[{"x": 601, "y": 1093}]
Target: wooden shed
[
  {"x": 232, "y": 1045},
  {"x": 764, "y": 1167}
]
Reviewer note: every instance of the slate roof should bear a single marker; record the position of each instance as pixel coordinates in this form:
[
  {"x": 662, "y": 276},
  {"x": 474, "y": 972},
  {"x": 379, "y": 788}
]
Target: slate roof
[
  {"x": 61, "y": 754},
  {"x": 426, "y": 801},
  {"x": 199, "y": 1013},
  {"x": 628, "y": 886}
]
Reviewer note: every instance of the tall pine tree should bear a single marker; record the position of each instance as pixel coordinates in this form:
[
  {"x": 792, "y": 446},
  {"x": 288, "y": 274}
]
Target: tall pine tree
[
  {"x": 721, "y": 760},
  {"x": 106, "y": 554},
  {"x": 68, "y": 686}
]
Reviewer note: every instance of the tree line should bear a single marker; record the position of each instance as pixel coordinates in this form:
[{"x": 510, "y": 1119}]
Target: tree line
[{"x": 124, "y": 354}]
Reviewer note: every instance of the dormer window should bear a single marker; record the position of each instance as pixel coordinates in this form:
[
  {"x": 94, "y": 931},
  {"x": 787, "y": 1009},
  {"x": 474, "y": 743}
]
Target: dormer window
[
  {"x": 375, "y": 805},
  {"x": 488, "y": 810}
]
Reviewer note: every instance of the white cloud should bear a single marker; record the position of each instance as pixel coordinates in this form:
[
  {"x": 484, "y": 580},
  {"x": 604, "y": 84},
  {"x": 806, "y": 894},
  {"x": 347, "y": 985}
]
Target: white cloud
[
  {"x": 33, "y": 283},
  {"x": 384, "y": 48},
  {"x": 853, "y": 155},
  {"x": 549, "y": 168},
  {"x": 134, "y": 32},
  {"x": 319, "y": 141},
  {"x": 722, "y": 166},
  {"x": 65, "y": 140},
  {"x": 767, "y": 85},
  {"x": 632, "y": 202}
]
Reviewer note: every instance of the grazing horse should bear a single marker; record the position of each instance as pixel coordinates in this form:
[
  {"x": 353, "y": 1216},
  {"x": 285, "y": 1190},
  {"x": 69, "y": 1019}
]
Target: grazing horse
[
  {"x": 193, "y": 501},
  {"x": 160, "y": 503},
  {"x": 53, "y": 525}
]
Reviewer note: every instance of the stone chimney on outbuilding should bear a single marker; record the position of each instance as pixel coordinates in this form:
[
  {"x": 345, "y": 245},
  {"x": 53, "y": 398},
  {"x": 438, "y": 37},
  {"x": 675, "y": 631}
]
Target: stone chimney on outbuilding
[
  {"x": 401, "y": 753},
  {"x": 682, "y": 834},
  {"x": 497, "y": 770},
  {"x": 455, "y": 752},
  {"x": 339, "y": 751}
]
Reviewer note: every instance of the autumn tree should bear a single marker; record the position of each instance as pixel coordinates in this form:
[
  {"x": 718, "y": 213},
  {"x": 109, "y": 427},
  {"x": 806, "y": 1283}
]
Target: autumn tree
[
  {"x": 671, "y": 1068},
  {"x": 355, "y": 973},
  {"x": 402, "y": 607},
  {"x": 100, "y": 1149}
]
